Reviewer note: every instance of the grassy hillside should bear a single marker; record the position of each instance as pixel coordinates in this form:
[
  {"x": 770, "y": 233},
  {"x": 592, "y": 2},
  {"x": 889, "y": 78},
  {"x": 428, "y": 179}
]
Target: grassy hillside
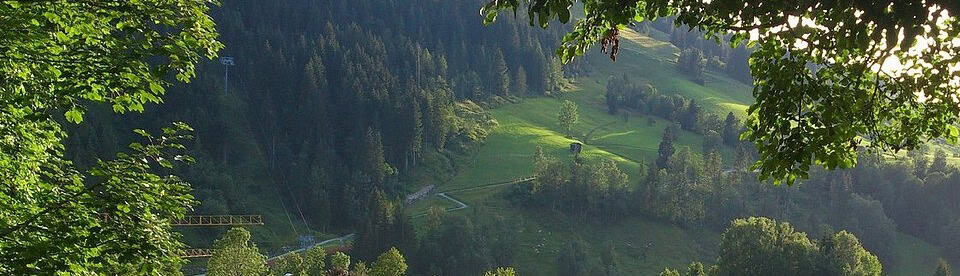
[
  {"x": 643, "y": 246},
  {"x": 653, "y": 61}
]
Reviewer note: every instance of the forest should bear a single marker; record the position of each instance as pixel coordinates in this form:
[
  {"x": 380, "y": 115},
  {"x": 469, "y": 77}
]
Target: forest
[{"x": 420, "y": 137}]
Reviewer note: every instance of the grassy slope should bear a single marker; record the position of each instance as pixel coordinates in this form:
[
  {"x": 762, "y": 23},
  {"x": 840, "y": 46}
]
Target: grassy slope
[
  {"x": 508, "y": 152},
  {"x": 649, "y": 60}
]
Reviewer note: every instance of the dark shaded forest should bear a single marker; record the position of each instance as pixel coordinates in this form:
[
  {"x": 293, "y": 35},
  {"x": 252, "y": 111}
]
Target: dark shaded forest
[{"x": 332, "y": 100}]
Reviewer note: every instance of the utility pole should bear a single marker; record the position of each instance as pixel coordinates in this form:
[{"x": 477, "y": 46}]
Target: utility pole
[{"x": 227, "y": 62}]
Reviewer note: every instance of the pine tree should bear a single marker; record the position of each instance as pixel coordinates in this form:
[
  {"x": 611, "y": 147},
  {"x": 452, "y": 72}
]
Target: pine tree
[
  {"x": 377, "y": 234},
  {"x": 554, "y": 74},
  {"x": 520, "y": 81},
  {"x": 374, "y": 167},
  {"x": 731, "y": 130},
  {"x": 316, "y": 75},
  {"x": 412, "y": 124},
  {"x": 501, "y": 75},
  {"x": 568, "y": 116},
  {"x": 666, "y": 147},
  {"x": 691, "y": 117},
  {"x": 614, "y": 96},
  {"x": 692, "y": 62}
]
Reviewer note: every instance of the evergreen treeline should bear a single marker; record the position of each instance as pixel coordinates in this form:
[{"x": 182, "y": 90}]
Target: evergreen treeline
[
  {"x": 625, "y": 95},
  {"x": 874, "y": 200},
  {"x": 698, "y": 53},
  {"x": 330, "y": 101}
]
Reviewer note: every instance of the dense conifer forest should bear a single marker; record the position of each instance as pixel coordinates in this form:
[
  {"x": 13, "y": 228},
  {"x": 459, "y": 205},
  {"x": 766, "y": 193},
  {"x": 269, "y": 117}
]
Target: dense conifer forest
[{"x": 327, "y": 104}]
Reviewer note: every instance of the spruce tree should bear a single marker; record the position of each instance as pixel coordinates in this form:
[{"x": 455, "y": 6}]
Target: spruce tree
[
  {"x": 666, "y": 147},
  {"x": 568, "y": 116},
  {"x": 731, "y": 130},
  {"x": 520, "y": 81},
  {"x": 501, "y": 75}
]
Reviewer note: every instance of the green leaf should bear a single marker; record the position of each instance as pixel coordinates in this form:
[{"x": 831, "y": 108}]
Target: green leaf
[
  {"x": 56, "y": 72},
  {"x": 165, "y": 163},
  {"x": 156, "y": 88},
  {"x": 953, "y": 134},
  {"x": 74, "y": 115},
  {"x": 123, "y": 208},
  {"x": 62, "y": 37},
  {"x": 142, "y": 133}
]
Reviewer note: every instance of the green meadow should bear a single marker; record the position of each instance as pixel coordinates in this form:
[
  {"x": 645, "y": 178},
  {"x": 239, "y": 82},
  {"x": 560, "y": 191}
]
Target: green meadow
[{"x": 642, "y": 246}]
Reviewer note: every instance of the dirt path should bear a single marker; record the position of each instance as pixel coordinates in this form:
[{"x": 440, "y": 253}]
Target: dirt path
[{"x": 461, "y": 205}]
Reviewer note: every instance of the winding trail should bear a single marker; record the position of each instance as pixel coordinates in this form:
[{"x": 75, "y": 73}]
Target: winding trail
[{"x": 461, "y": 205}]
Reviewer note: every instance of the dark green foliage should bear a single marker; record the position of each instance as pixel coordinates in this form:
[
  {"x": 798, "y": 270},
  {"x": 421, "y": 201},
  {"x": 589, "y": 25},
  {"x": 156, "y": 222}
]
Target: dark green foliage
[
  {"x": 731, "y": 130},
  {"x": 609, "y": 261},
  {"x": 465, "y": 246},
  {"x": 865, "y": 218},
  {"x": 520, "y": 81},
  {"x": 711, "y": 142},
  {"x": 383, "y": 227},
  {"x": 677, "y": 191},
  {"x": 501, "y": 75},
  {"x": 119, "y": 207},
  {"x": 692, "y": 117},
  {"x": 948, "y": 238},
  {"x": 873, "y": 201},
  {"x": 738, "y": 65},
  {"x": 568, "y": 116},
  {"x": 591, "y": 189},
  {"x": 920, "y": 162},
  {"x": 573, "y": 260},
  {"x": 623, "y": 93},
  {"x": 761, "y": 246},
  {"x": 692, "y": 63},
  {"x": 666, "y": 149}
]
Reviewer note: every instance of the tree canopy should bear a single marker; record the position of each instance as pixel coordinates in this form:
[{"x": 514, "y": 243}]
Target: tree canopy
[
  {"x": 568, "y": 116},
  {"x": 829, "y": 76},
  {"x": 235, "y": 254},
  {"x": 56, "y": 57},
  {"x": 761, "y": 246}
]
